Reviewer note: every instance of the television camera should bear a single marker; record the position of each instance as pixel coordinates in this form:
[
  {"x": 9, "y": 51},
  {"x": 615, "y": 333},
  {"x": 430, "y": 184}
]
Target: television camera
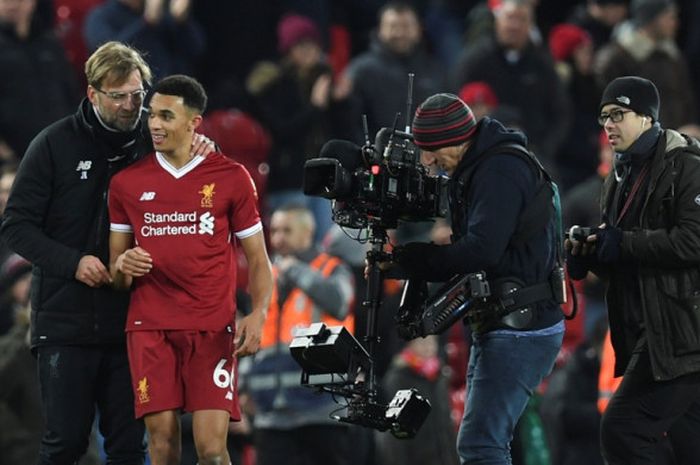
[
  {"x": 376, "y": 184},
  {"x": 372, "y": 187}
]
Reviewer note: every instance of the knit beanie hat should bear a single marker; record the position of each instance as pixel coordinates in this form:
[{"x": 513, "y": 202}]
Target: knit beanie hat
[
  {"x": 442, "y": 120},
  {"x": 293, "y": 29},
  {"x": 633, "y": 92},
  {"x": 478, "y": 92},
  {"x": 642, "y": 12},
  {"x": 564, "y": 39}
]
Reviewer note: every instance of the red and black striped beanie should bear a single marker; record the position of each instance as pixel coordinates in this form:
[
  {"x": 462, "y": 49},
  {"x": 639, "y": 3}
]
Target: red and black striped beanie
[{"x": 442, "y": 120}]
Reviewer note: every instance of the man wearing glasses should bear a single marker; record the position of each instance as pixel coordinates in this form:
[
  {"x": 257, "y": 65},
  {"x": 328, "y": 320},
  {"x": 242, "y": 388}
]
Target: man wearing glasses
[
  {"x": 648, "y": 249},
  {"x": 56, "y": 217}
]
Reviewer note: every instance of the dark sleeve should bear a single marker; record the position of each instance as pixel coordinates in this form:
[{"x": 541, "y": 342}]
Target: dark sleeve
[
  {"x": 23, "y": 226},
  {"x": 286, "y": 125},
  {"x": 345, "y": 118},
  {"x": 99, "y": 29},
  {"x": 687, "y": 100},
  {"x": 559, "y": 104},
  {"x": 466, "y": 67},
  {"x": 66, "y": 74},
  {"x": 188, "y": 37},
  {"x": 498, "y": 193},
  {"x": 677, "y": 244}
]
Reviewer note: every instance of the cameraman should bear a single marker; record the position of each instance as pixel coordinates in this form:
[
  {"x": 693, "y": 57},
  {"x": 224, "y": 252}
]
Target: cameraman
[
  {"x": 648, "y": 250},
  {"x": 503, "y": 224}
]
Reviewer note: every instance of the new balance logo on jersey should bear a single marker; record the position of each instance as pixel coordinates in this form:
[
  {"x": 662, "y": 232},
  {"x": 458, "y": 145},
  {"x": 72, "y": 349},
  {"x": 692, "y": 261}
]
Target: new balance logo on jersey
[
  {"x": 147, "y": 196},
  {"x": 206, "y": 224},
  {"x": 84, "y": 166}
]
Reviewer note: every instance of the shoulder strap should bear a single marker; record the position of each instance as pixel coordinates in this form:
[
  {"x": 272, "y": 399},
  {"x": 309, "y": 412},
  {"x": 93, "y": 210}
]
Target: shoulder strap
[{"x": 538, "y": 211}]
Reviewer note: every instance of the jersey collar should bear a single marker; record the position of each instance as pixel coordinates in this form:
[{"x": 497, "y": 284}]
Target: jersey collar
[{"x": 177, "y": 173}]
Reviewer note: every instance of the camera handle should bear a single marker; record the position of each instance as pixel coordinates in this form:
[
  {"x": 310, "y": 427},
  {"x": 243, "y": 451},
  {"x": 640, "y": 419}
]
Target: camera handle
[{"x": 373, "y": 297}]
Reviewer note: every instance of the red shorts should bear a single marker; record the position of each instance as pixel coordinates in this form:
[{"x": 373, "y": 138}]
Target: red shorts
[{"x": 183, "y": 370}]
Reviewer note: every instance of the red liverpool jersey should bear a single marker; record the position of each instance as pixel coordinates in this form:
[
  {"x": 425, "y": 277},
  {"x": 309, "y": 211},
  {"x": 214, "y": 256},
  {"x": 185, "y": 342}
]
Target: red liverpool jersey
[{"x": 184, "y": 218}]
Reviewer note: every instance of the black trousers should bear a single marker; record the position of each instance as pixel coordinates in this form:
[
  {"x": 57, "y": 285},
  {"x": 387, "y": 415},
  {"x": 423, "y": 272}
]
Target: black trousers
[
  {"x": 76, "y": 382},
  {"x": 643, "y": 411},
  {"x": 307, "y": 445}
]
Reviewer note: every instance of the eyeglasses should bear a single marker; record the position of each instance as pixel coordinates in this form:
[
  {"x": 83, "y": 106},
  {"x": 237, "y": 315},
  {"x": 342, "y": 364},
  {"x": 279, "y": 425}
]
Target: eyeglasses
[
  {"x": 120, "y": 98},
  {"x": 616, "y": 116}
]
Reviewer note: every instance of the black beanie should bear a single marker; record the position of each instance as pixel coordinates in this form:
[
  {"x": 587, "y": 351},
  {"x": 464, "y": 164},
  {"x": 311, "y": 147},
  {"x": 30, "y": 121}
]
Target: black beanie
[
  {"x": 633, "y": 92},
  {"x": 642, "y": 12},
  {"x": 442, "y": 120}
]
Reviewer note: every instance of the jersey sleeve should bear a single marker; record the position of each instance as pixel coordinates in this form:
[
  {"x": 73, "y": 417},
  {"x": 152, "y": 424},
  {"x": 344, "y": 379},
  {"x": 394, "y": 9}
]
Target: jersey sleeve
[
  {"x": 118, "y": 219},
  {"x": 245, "y": 217}
]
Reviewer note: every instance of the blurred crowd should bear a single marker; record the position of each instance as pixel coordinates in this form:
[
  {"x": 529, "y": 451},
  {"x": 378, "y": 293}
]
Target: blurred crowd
[{"x": 285, "y": 76}]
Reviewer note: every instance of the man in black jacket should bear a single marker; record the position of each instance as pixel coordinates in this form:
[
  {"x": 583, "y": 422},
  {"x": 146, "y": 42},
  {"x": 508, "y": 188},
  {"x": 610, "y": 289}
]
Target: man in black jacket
[
  {"x": 504, "y": 224},
  {"x": 522, "y": 76},
  {"x": 56, "y": 217},
  {"x": 379, "y": 75},
  {"x": 648, "y": 250}
]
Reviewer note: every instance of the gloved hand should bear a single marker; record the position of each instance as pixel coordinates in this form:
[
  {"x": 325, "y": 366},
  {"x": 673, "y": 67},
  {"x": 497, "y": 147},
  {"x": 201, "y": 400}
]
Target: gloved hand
[
  {"x": 577, "y": 265},
  {"x": 608, "y": 244},
  {"x": 413, "y": 258}
]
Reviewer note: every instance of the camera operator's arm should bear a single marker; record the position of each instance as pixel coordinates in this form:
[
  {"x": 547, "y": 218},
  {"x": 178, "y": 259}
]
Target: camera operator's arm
[
  {"x": 333, "y": 294},
  {"x": 498, "y": 193}
]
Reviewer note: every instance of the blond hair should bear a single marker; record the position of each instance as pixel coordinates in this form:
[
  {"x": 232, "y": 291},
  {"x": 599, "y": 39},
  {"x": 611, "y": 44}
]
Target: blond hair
[{"x": 115, "y": 61}]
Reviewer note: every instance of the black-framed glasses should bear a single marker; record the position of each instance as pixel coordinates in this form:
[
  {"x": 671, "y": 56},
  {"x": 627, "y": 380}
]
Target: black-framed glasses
[
  {"x": 616, "y": 116},
  {"x": 120, "y": 98}
]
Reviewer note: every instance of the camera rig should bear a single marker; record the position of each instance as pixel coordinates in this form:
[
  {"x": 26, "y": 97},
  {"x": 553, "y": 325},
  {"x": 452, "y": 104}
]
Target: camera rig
[
  {"x": 372, "y": 187},
  {"x": 333, "y": 361},
  {"x": 462, "y": 297}
]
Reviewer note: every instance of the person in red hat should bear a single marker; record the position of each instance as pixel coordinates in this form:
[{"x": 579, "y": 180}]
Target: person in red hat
[
  {"x": 302, "y": 106},
  {"x": 571, "y": 48},
  {"x": 480, "y": 97}
]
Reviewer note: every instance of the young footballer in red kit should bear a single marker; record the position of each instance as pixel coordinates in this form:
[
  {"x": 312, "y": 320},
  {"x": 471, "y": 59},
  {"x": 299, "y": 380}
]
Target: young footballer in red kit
[{"x": 172, "y": 222}]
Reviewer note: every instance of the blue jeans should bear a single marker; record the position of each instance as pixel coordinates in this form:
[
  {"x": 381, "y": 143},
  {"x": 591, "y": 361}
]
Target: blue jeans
[{"x": 503, "y": 371}]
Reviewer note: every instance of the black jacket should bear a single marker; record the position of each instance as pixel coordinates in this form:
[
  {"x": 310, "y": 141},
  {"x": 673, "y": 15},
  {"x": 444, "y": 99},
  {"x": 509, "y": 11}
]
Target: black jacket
[
  {"x": 664, "y": 251},
  {"x": 529, "y": 84},
  {"x": 298, "y": 128},
  {"x": 501, "y": 186},
  {"x": 57, "y": 213},
  {"x": 380, "y": 82}
]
